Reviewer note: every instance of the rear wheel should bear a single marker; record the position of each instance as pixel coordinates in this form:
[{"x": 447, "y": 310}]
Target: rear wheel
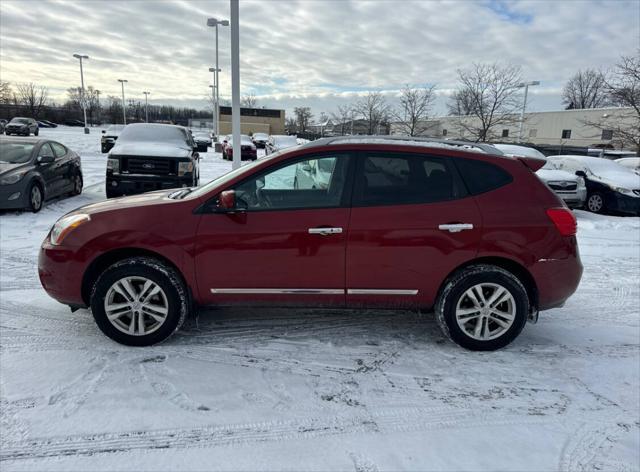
[
  {"x": 595, "y": 203},
  {"x": 139, "y": 301},
  {"x": 77, "y": 184},
  {"x": 483, "y": 308}
]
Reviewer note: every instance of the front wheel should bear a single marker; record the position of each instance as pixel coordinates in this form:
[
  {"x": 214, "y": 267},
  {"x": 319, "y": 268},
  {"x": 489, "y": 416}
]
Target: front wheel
[
  {"x": 139, "y": 301},
  {"x": 36, "y": 197},
  {"x": 35, "y": 133},
  {"x": 483, "y": 308},
  {"x": 595, "y": 203}
]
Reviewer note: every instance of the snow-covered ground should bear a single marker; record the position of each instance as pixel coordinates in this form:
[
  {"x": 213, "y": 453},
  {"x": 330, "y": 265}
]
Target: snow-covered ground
[{"x": 317, "y": 390}]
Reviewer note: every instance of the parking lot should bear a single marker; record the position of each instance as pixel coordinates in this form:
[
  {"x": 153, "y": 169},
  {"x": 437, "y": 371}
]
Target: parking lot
[{"x": 316, "y": 389}]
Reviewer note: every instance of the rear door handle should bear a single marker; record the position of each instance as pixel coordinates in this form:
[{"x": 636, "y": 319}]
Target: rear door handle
[
  {"x": 455, "y": 227},
  {"x": 325, "y": 231}
]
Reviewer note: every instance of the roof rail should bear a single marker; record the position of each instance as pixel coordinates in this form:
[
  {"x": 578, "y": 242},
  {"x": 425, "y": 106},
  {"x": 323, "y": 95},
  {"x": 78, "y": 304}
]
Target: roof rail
[{"x": 412, "y": 140}]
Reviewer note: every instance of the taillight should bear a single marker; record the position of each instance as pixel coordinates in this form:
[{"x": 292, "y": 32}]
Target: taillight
[{"x": 564, "y": 220}]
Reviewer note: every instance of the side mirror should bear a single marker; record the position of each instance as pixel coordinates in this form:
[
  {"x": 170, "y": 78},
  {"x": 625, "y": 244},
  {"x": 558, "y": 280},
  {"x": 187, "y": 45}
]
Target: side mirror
[
  {"x": 104, "y": 131},
  {"x": 227, "y": 201},
  {"x": 306, "y": 167},
  {"x": 196, "y": 155},
  {"x": 581, "y": 173},
  {"x": 45, "y": 159}
]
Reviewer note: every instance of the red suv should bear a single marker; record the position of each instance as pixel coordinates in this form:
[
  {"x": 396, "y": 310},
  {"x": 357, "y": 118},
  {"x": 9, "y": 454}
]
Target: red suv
[{"x": 390, "y": 224}]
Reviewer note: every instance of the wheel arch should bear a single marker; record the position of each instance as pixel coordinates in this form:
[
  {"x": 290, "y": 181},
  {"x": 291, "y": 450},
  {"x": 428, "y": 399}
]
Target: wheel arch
[
  {"x": 517, "y": 269},
  {"x": 103, "y": 261}
]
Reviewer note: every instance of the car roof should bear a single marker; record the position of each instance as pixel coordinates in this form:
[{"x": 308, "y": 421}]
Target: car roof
[
  {"x": 32, "y": 140},
  {"x": 399, "y": 140}
]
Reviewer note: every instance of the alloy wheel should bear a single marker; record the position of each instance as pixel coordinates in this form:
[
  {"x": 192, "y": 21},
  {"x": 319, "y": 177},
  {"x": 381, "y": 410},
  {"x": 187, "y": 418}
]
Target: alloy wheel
[
  {"x": 136, "y": 306},
  {"x": 36, "y": 198},
  {"x": 486, "y": 311},
  {"x": 595, "y": 203}
]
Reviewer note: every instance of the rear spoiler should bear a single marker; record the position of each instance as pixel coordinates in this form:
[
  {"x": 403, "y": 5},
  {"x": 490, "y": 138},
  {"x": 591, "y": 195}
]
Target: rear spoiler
[{"x": 533, "y": 163}]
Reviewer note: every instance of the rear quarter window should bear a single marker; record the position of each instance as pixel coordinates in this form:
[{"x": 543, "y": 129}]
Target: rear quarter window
[{"x": 481, "y": 177}]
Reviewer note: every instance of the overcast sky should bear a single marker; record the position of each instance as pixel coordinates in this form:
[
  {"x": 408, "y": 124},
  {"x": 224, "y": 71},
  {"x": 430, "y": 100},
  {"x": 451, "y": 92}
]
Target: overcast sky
[{"x": 314, "y": 53}]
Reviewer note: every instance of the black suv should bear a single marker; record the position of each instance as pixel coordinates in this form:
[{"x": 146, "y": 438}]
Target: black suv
[
  {"x": 149, "y": 157},
  {"x": 22, "y": 126}
]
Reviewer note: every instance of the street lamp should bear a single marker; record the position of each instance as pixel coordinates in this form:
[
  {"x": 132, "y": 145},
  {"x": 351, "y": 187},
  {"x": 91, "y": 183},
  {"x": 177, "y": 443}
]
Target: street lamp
[
  {"x": 215, "y": 113},
  {"x": 213, "y": 22},
  {"x": 524, "y": 104},
  {"x": 146, "y": 106},
  {"x": 84, "y": 105},
  {"x": 124, "y": 106}
]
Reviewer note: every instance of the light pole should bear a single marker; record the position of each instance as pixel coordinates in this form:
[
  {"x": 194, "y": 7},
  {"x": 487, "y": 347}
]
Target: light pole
[
  {"x": 84, "y": 105},
  {"x": 124, "y": 105},
  {"x": 146, "y": 106},
  {"x": 213, "y": 22},
  {"x": 235, "y": 83},
  {"x": 524, "y": 104},
  {"x": 215, "y": 113},
  {"x": 98, "y": 110}
]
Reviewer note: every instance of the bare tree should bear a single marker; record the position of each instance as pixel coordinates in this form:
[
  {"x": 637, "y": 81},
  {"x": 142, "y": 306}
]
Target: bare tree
[
  {"x": 374, "y": 110},
  {"x": 586, "y": 89},
  {"x": 492, "y": 92},
  {"x": 32, "y": 97},
  {"x": 303, "y": 118},
  {"x": 342, "y": 115},
  {"x": 291, "y": 125},
  {"x": 460, "y": 103},
  {"x": 623, "y": 89},
  {"x": 249, "y": 101},
  {"x": 414, "y": 111},
  {"x": 6, "y": 94}
]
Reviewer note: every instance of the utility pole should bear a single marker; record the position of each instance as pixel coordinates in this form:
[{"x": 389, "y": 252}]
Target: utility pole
[
  {"x": 124, "y": 105},
  {"x": 82, "y": 99},
  {"x": 146, "y": 106},
  {"x": 213, "y": 22},
  {"x": 98, "y": 110},
  {"x": 235, "y": 83},
  {"x": 524, "y": 104}
]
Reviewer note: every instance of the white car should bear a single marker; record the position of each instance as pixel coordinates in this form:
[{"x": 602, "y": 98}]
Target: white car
[
  {"x": 568, "y": 186},
  {"x": 279, "y": 142},
  {"x": 632, "y": 163},
  {"x": 314, "y": 174},
  {"x": 610, "y": 186}
]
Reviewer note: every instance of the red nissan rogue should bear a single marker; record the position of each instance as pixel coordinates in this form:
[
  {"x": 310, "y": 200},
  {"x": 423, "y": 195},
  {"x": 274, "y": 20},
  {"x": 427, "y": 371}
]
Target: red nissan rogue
[{"x": 339, "y": 222}]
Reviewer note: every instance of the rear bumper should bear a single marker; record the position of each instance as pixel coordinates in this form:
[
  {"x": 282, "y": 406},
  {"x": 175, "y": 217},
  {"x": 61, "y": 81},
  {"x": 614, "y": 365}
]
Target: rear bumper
[
  {"x": 557, "y": 279},
  {"x": 60, "y": 272},
  {"x": 122, "y": 184}
]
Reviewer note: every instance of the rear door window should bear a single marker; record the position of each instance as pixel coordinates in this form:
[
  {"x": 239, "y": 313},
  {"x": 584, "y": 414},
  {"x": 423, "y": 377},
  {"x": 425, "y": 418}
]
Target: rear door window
[
  {"x": 481, "y": 177},
  {"x": 395, "y": 179}
]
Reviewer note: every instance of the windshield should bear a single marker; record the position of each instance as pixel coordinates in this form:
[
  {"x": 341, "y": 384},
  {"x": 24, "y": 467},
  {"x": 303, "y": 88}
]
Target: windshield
[
  {"x": 260, "y": 136},
  {"x": 244, "y": 139},
  {"x": 155, "y": 133},
  {"x": 223, "y": 179},
  {"x": 23, "y": 121},
  {"x": 282, "y": 141},
  {"x": 15, "y": 153}
]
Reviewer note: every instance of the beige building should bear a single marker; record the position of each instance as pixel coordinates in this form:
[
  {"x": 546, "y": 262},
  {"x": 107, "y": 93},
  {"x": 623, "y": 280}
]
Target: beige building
[
  {"x": 565, "y": 127},
  {"x": 252, "y": 120}
]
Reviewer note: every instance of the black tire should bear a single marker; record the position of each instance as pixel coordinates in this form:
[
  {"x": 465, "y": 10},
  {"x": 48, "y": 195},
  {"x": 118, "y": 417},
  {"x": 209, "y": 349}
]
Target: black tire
[
  {"x": 35, "y": 203},
  {"x": 455, "y": 289},
  {"x": 35, "y": 133},
  {"x": 159, "y": 273},
  {"x": 595, "y": 203},
  {"x": 77, "y": 184},
  {"x": 111, "y": 194}
]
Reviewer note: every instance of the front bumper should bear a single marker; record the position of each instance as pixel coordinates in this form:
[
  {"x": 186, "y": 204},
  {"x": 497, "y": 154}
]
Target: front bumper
[
  {"x": 20, "y": 131},
  {"x": 13, "y": 196},
  {"x": 132, "y": 184},
  {"x": 573, "y": 199},
  {"x": 60, "y": 270}
]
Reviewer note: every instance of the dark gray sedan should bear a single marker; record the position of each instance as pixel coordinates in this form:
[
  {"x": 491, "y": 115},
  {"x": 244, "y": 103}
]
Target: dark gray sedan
[{"x": 33, "y": 170}]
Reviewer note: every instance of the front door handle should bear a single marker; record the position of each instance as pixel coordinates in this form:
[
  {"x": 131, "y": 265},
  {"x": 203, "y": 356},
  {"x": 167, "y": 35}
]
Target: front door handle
[
  {"x": 325, "y": 231},
  {"x": 455, "y": 227}
]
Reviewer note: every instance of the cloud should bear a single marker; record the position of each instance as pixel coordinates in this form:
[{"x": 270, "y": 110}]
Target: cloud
[{"x": 320, "y": 53}]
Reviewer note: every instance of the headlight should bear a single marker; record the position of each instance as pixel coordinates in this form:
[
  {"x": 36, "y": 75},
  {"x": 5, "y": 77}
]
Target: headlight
[
  {"x": 65, "y": 225},
  {"x": 185, "y": 167},
  {"x": 624, "y": 191},
  {"x": 113, "y": 165},
  {"x": 12, "y": 179}
]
